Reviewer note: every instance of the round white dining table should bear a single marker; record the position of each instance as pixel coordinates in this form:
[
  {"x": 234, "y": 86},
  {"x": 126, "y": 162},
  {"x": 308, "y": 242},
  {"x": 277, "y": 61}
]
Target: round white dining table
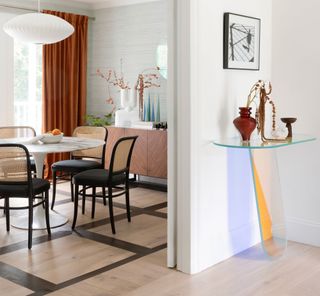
[{"x": 39, "y": 151}]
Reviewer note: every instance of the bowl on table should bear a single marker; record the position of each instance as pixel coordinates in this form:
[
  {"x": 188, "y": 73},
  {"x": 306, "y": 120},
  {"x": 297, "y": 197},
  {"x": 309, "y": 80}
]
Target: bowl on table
[
  {"x": 51, "y": 139},
  {"x": 30, "y": 140}
]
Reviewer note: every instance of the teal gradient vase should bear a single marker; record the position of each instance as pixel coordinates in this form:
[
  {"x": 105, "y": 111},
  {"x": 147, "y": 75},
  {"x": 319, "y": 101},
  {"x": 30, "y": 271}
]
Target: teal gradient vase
[{"x": 157, "y": 116}]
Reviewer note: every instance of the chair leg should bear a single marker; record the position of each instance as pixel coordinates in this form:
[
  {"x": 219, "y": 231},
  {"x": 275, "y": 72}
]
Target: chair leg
[
  {"x": 93, "y": 209},
  {"x": 128, "y": 205},
  {"x": 46, "y": 203},
  {"x": 104, "y": 196},
  {"x": 111, "y": 210},
  {"x": 43, "y": 205},
  {"x": 54, "y": 185},
  {"x": 71, "y": 188},
  {"x": 6, "y": 206},
  {"x": 75, "y": 212},
  {"x": 83, "y": 199},
  {"x": 30, "y": 222}
]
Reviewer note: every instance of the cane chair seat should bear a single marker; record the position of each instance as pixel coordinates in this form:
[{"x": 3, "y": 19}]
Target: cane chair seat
[
  {"x": 38, "y": 185},
  {"x": 75, "y": 165},
  {"x": 98, "y": 178}
]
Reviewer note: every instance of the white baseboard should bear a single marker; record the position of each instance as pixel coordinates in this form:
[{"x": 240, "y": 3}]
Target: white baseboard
[{"x": 303, "y": 231}]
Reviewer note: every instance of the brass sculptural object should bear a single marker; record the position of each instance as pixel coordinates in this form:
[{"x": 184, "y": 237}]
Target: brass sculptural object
[{"x": 289, "y": 121}]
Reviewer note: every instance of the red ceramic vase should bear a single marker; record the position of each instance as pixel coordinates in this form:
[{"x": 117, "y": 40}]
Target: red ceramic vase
[{"x": 245, "y": 123}]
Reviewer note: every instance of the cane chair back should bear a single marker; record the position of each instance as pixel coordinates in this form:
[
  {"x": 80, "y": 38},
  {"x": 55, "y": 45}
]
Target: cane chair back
[
  {"x": 7, "y": 132},
  {"x": 121, "y": 155},
  {"x": 90, "y": 132},
  {"x": 14, "y": 164}
]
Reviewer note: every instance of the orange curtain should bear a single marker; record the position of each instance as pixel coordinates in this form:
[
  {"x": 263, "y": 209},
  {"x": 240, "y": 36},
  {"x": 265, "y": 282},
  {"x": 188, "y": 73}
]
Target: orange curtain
[{"x": 65, "y": 81}]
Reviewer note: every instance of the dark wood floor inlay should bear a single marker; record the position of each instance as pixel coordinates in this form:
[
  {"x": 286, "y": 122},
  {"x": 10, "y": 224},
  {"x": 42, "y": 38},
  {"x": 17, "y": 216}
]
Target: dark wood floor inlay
[
  {"x": 36, "y": 241},
  {"x": 111, "y": 241},
  {"x": 25, "y": 279}
]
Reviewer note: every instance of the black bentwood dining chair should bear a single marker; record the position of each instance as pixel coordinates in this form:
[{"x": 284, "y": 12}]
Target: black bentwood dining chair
[
  {"x": 16, "y": 182},
  {"x": 115, "y": 180},
  {"x": 81, "y": 160}
]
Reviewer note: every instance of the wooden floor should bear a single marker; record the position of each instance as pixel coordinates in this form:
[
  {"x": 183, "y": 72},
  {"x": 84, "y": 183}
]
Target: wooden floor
[{"x": 92, "y": 261}]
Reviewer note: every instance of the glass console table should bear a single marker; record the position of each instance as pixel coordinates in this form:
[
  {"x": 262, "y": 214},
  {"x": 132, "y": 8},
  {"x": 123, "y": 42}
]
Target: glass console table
[{"x": 267, "y": 189}]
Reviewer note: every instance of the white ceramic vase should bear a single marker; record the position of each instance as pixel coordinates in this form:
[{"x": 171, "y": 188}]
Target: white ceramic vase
[
  {"x": 132, "y": 98},
  {"x": 124, "y": 98}
]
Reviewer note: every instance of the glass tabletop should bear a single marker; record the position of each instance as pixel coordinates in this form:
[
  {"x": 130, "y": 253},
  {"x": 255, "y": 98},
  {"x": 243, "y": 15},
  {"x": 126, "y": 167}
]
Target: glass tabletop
[{"x": 236, "y": 142}]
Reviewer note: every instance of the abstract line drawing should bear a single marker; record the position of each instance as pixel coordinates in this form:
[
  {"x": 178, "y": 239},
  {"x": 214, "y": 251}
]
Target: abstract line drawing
[{"x": 241, "y": 42}]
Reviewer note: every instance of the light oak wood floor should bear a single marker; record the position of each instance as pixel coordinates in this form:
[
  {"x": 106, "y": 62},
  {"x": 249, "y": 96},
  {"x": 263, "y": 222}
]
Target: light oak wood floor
[{"x": 92, "y": 261}]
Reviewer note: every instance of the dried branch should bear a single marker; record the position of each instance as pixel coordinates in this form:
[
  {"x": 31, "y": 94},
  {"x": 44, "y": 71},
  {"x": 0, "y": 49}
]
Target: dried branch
[
  {"x": 111, "y": 77},
  {"x": 262, "y": 89}
]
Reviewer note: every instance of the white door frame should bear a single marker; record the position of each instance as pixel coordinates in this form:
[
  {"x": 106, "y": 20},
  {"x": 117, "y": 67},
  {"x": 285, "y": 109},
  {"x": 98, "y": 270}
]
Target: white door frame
[
  {"x": 172, "y": 143},
  {"x": 181, "y": 164}
]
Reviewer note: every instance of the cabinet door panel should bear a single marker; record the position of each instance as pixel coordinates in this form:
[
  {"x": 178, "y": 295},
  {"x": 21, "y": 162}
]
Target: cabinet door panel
[
  {"x": 139, "y": 161},
  {"x": 157, "y": 154},
  {"x": 114, "y": 134}
]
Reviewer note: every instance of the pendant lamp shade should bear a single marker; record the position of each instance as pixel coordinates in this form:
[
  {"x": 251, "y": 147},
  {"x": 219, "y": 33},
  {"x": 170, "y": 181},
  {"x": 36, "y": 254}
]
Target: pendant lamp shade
[{"x": 38, "y": 28}]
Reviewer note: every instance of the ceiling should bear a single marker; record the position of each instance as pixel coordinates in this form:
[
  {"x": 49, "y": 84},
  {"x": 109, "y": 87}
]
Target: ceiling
[
  {"x": 78, "y": 6},
  {"x": 90, "y": 1},
  {"x": 104, "y": 1},
  {"x": 98, "y": 4}
]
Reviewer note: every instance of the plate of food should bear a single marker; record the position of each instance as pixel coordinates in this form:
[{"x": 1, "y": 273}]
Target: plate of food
[{"x": 52, "y": 137}]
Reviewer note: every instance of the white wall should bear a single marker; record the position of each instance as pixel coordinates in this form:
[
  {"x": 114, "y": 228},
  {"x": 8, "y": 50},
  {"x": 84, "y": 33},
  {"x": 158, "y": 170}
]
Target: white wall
[
  {"x": 6, "y": 73},
  {"x": 295, "y": 75},
  {"x": 222, "y": 213},
  {"x": 131, "y": 33}
]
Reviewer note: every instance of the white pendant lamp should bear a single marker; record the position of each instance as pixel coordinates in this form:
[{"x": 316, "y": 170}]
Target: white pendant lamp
[{"x": 38, "y": 28}]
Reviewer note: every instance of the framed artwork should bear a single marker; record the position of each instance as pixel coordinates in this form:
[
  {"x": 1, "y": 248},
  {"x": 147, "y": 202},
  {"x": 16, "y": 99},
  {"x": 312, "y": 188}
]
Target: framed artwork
[{"x": 241, "y": 42}]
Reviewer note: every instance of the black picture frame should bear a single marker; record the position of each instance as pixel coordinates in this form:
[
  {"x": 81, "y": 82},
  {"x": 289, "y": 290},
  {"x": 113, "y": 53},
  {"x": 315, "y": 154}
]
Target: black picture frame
[{"x": 241, "y": 45}]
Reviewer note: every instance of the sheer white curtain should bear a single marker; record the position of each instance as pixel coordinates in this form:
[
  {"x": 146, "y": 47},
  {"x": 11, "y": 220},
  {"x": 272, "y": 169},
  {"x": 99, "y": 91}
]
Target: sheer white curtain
[
  {"x": 27, "y": 85},
  {"x": 20, "y": 80}
]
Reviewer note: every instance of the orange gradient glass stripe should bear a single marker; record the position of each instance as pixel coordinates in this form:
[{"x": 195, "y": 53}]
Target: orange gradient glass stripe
[{"x": 264, "y": 216}]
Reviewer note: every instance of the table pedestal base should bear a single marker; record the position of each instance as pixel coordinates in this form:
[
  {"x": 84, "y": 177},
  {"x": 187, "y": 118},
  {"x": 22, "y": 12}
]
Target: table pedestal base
[
  {"x": 39, "y": 221},
  {"x": 267, "y": 187}
]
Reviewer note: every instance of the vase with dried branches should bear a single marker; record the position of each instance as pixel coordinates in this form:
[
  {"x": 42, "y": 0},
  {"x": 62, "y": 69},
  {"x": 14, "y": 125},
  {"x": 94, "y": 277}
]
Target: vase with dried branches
[
  {"x": 146, "y": 79},
  {"x": 261, "y": 90},
  {"x": 112, "y": 79}
]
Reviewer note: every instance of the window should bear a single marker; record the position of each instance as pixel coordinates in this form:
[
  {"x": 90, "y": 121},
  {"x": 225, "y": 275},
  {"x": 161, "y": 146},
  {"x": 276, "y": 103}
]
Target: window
[
  {"x": 162, "y": 59},
  {"x": 28, "y": 85}
]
